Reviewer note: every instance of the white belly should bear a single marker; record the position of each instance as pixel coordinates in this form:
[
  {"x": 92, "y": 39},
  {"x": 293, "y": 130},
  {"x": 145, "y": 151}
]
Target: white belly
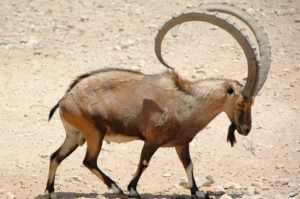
[{"x": 119, "y": 138}]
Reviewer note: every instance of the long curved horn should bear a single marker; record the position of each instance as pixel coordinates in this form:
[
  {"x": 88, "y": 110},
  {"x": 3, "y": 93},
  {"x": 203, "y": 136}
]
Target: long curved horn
[
  {"x": 256, "y": 28},
  {"x": 237, "y": 33}
]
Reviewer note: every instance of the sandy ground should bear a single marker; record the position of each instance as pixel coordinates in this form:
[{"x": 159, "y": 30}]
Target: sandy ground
[{"x": 45, "y": 44}]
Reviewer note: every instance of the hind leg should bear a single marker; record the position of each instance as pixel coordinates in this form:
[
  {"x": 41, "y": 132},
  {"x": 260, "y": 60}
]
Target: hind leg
[
  {"x": 69, "y": 145},
  {"x": 94, "y": 144}
]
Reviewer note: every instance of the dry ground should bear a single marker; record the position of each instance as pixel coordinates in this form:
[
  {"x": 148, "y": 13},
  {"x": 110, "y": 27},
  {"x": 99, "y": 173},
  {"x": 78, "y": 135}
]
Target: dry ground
[{"x": 45, "y": 44}]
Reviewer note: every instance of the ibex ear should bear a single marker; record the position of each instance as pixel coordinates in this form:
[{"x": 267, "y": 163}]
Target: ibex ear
[{"x": 229, "y": 90}]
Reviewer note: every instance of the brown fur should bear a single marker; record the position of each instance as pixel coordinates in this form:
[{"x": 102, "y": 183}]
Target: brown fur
[{"x": 163, "y": 110}]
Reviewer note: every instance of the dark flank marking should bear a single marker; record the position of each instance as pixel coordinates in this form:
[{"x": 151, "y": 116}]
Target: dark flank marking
[{"x": 231, "y": 136}]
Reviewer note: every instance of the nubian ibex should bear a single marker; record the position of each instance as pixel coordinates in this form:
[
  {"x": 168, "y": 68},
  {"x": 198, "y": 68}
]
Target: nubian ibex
[{"x": 163, "y": 110}]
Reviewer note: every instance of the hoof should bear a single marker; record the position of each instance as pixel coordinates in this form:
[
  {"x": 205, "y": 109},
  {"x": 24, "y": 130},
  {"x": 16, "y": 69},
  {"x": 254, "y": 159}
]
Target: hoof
[
  {"x": 52, "y": 195},
  {"x": 117, "y": 191},
  {"x": 134, "y": 194},
  {"x": 200, "y": 194}
]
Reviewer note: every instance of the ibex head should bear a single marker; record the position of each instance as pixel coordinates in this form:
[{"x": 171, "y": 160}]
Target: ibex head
[
  {"x": 238, "y": 110},
  {"x": 240, "y": 99}
]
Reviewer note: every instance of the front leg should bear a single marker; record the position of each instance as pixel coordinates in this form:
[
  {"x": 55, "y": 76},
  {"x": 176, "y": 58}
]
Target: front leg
[
  {"x": 183, "y": 153},
  {"x": 147, "y": 152}
]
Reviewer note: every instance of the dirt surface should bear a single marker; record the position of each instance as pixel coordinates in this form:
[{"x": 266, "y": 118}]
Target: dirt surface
[{"x": 45, "y": 44}]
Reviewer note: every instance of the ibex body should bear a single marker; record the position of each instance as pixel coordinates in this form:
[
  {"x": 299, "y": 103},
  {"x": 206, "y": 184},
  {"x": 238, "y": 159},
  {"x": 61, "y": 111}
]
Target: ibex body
[{"x": 163, "y": 110}]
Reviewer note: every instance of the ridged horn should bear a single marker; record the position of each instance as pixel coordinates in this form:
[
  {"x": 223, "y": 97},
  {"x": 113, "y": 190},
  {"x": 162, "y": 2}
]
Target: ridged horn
[
  {"x": 256, "y": 28},
  {"x": 236, "y": 32}
]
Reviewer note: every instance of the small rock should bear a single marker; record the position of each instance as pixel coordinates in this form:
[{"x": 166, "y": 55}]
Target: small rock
[
  {"x": 200, "y": 71},
  {"x": 20, "y": 166},
  {"x": 219, "y": 190},
  {"x": 76, "y": 178},
  {"x": 117, "y": 48},
  {"x": 278, "y": 197},
  {"x": 297, "y": 20},
  {"x": 250, "y": 191},
  {"x": 225, "y": 196},
  {"x": 10, "y": 195},
  {"x": 141, "y": 63},
  {"x": 210, "y": 178},
  {"x": 189, "y": 6},
  {"x": 203, "y": 182},
  {"x": 2, "y": 191},
  {"x": 292, "y": 184},
  {"x": 136, "y": 68},
  {"x": 292, "y": 194},
  {"x": 100, "y": 197},
  {"x": 84, "y": 18},
  {"x": 44, "y": 155},
  {"x": 37, "y": 52},
  {"x": 31, "y": 41},
  {"x": 210, "y": 192},
  {"x": 184, "y": 182},
  {"x": 152, "y": 26},
  {"x": 280, "y": 166},
  {"x": 128, "y": 43},
  {"x": 280, "y": 182},
  {"x": 256, "y": 190},
  {"x": 251, "y": 11},
  {"x": 232, "y": 185},
  {"x": 295, "y": 108},
  {"x": 257, "y": 184},
  {"x": 166, "y": 175},
  {"x": 281, "y": 12}
]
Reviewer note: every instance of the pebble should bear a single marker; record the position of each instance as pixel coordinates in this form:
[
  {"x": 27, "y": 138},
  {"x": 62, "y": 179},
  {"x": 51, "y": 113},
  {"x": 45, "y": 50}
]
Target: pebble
[
  {"x": 280, "y": 182},
  {"x": 127, "y": 44},
  {"x": 292, "y": 184},
  {"x": 278, "y": 197},
  {"x": 210, "y": 178},
  {"x": 225, "y": 196},
  {"x": 295, "y": 108},
  {"x": 257, "y": 184},
  {"x": 20, "y": 166},
  {"x": 292, "y": 194},
  {"x": 2, "y": 191},
  {"x": 232, "y": 185},
  {"x": 166, "y": 175},
  {"x": 184, "y": 182},
  {"x": 280, "y": 166},
  {"x": 10, "y": 195},
  {"x": 44, "y": 155},
  {"x": 76, "y": 178},
  {"x": 297, "y": 20},
  {"x": 200, "y": 71},
  {"x": 203, "y": 182},
  {"x": 219, "y": 190},
  {"x": 141, "y": 63},
  {"x": 250, "y": 191},
  {"x": 210, "y": 192},
  {"x": 84, "y": 18},
  {"x": 153, "y": 26},
  {"x": 117, "y": 48},
  {"x": 251, "y": 11}
]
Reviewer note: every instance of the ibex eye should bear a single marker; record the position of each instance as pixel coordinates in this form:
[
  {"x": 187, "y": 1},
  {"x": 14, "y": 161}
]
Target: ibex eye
[{"x": 241, "y": 105}]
